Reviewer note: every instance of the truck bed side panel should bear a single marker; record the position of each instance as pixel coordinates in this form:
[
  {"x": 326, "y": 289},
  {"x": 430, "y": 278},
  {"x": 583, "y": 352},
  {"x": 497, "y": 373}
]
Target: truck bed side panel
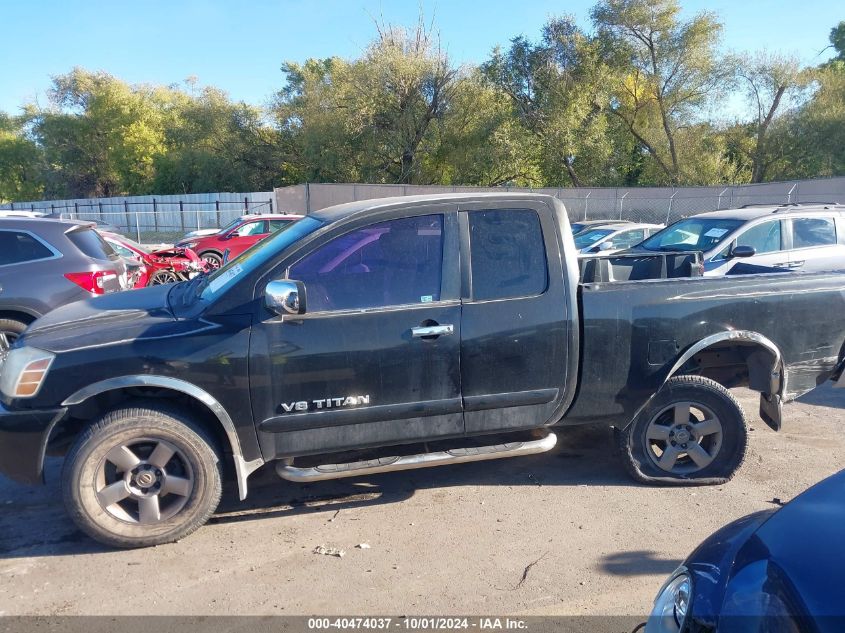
[{"x": 633, "y": 333}]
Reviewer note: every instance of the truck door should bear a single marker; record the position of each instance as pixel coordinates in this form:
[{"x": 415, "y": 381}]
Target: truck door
[
  {"x": 516, "y": 322},
  {"x": 374, "y": 359}
]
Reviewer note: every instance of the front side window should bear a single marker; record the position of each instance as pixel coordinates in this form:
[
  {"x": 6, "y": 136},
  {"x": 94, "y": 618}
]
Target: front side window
[
  {"x": 507, "y": 254},
  {"x": 764, "y": 238},
  {"x": 251, "y": 228},
  {"x": 807, "y": 232},
  {"x": 18, "y": 247},
  {"x": 398, "y": 262},
  {"x": 627, "y": 239}
]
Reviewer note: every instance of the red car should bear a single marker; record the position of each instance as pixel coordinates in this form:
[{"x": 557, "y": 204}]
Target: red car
[
  {"x": 157, "y": 267},
  {"x": 237, "y": 236}
]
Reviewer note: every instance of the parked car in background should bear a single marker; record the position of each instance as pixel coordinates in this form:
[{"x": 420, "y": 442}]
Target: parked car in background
[
  {"x": 583, "y": 225},
  {"x": 48, "y": 263},
  {"x": 614, "y": 236},
  {"x": 770, "y": 238},
  {"x": 162, "y": 266},
  {"x": 237, "y": 236},
  {"x": 775, "y": 570}
]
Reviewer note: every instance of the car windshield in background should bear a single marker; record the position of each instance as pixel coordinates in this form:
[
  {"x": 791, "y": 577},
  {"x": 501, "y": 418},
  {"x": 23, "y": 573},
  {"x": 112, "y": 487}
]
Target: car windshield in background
[
  {"x": 693, "y": 234},
  {"x": 256, "y": 256},
  {"x": 589, "y": 238}
]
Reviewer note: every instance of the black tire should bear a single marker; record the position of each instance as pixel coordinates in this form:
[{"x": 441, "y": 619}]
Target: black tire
[
  {"x": 141, "y": 428},
  {"x": 214, "y": 260},
  {"x": 660, "y": 431},
  {"x": 10, "y": 330}
]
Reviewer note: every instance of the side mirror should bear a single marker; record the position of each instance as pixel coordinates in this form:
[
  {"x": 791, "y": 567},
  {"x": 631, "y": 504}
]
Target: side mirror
[
  {"x": 605, "y": 246},
  {"x": 285, "y": 296},
  {"x": 743, "y": 251},
  {"x": 227, "y": 236}
]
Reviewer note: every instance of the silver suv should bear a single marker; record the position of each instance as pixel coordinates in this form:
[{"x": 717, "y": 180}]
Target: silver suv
[{"x": 760, "y": 238}]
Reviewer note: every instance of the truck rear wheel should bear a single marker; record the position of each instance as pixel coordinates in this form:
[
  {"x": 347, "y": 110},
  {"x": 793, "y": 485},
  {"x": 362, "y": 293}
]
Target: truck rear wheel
[
  {"x": 692, "y": 432},
  {"x": 143, "y": 475}
]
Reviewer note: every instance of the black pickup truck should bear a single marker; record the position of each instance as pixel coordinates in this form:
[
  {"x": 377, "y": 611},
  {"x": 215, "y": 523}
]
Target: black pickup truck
[{"x": 394, "y": 334}]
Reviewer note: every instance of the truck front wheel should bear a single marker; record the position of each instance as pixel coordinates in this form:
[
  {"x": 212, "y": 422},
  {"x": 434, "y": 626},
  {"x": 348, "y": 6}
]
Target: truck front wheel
[
  {"x": 143, "y": 475},
  {"x": 692, "y": 432}
]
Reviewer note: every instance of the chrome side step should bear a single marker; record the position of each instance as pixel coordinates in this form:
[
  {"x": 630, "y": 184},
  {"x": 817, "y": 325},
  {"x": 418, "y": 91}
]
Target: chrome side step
[{"x": 287, "y": 470}]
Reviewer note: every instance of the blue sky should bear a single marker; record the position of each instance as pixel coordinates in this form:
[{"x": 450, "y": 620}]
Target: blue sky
[{"x": 239, "y": 46}]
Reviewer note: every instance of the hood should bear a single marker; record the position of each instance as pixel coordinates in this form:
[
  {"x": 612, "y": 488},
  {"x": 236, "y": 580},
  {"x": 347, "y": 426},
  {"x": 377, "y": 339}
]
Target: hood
[
  {"x": 802, "y": 548},
  {"x": 100, "y": 320}
]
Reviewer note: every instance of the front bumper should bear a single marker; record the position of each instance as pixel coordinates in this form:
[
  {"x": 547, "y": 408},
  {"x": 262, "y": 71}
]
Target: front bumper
[{"x": 23, "y": 442}]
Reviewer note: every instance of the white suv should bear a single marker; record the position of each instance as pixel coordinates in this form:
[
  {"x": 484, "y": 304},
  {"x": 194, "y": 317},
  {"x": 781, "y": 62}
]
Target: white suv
[{"x": 755, "y": 239}]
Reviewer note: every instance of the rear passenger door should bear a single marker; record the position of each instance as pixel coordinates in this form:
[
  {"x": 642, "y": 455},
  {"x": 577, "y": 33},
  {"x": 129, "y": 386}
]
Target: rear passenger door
[
  {"x": 515, "y": 322},
  {"x": 815, "y": 244}
]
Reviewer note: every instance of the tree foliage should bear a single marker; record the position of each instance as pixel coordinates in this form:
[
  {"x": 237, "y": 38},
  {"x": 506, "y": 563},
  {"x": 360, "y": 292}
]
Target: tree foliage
[{"x": 638, "y": 99}]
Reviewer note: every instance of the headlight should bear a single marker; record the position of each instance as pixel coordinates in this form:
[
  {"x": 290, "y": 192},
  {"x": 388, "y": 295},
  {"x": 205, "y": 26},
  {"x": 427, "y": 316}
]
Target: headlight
[
  {"x": 671, "y": 604},
  {"x": 23, "y": 371},
  {"x": 186, "y": 244}
]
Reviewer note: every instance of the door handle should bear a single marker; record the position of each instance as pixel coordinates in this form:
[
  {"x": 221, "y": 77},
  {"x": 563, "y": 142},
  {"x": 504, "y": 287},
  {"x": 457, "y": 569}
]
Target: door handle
[
  {"x": 796, "y": 264},
  {"x": 432, "y": 330}
]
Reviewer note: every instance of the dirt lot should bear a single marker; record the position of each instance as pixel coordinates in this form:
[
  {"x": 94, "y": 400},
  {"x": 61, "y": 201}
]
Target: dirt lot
[{"x": 454, "y": 540}]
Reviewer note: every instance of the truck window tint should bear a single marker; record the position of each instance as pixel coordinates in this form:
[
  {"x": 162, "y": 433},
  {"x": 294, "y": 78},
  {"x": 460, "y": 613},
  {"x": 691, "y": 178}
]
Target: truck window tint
[
  {"x": 507, "y": 254},
  {"x": 765, "y": 238},
  {"x": 91, "y": 244},
  {"x": 16, "y": 248},
  {"x": 398, "y": 262},
  {"x": 808, "y": 232}
]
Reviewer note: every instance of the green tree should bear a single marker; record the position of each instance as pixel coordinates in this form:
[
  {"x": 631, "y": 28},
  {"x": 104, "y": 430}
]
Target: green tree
[
  {"x": 558, "y": 89},
  {"x": 21, "y": 161},
  {"x": 667, "y": 73}
]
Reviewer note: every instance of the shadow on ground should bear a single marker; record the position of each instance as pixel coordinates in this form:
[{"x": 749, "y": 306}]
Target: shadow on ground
[
  {"x": 33, "y": 522},
  {"x": 637, "y": 563},
  {"x": 825, "y": 395}
]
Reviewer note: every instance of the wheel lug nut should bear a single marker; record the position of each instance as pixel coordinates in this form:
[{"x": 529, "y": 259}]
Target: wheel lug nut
[
  {"x": 158, "y": 473},
  {"x": 157, "y": 485},
  {"x": 683, "y": 445},
  {"x": 673, "y": 442}
]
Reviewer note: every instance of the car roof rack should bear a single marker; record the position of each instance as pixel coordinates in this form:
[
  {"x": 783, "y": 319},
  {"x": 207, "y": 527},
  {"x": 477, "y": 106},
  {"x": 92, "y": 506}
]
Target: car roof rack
[{"x": 786, "y": 207}]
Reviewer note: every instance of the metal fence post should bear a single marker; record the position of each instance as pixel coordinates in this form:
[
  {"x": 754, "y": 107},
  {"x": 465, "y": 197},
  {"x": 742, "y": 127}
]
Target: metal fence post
[
  {"x": 270, "y": 203},
  {"x": 126, "y": 212},
  {"x": 217, "y": 211},
  {"x": 719, "y": 202},
  {"x": 586, "y": 203},
  {"x": 155, "y": 215},
  {"x": 246, "y": 205},
  {"x": 789, "y": 193},
  {"x": 76, "y": 210},
  {"x": 669, "y": 212},
  {"x": 621, "y": 201}
]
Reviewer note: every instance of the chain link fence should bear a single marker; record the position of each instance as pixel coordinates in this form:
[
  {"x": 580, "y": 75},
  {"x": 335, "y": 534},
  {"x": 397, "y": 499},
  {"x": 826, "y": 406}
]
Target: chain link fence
[
  {"x": 155, "y": 219},
  {"x": 653, "y": 205}
]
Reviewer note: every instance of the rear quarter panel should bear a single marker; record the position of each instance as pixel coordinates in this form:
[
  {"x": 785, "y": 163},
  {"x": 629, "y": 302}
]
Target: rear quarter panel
[{"x": 634, "y": 332}]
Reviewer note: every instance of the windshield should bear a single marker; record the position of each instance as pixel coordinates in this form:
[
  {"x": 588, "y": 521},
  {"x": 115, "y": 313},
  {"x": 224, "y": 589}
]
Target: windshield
[
  {"x": 216, "y": 283},
  {"x": 692, "y": 234},
  {"x": 230, "y": 226},
  {"x": 588, "y": 238}
]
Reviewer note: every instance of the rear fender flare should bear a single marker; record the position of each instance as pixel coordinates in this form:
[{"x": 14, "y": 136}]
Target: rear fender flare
[{"x": 778, "y": 381}]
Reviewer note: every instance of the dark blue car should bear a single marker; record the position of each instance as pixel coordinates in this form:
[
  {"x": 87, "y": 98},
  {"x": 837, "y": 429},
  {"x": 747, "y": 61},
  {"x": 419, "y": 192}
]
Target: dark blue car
[{"x": 778, "y": 570}]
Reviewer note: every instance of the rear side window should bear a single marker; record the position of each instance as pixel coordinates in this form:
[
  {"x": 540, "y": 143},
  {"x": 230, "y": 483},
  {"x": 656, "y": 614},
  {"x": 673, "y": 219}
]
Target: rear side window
[
  {"x": 91, "y": 244},
  {"x": 17, "y": 247},
  {"x": 808, "y": 232},
  {"x": 507, "y": 254},
  {"x": 275, "y": 225}
]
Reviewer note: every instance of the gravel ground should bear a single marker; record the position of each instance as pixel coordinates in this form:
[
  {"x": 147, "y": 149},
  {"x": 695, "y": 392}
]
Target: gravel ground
[{"x": 451, "y": 540}]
